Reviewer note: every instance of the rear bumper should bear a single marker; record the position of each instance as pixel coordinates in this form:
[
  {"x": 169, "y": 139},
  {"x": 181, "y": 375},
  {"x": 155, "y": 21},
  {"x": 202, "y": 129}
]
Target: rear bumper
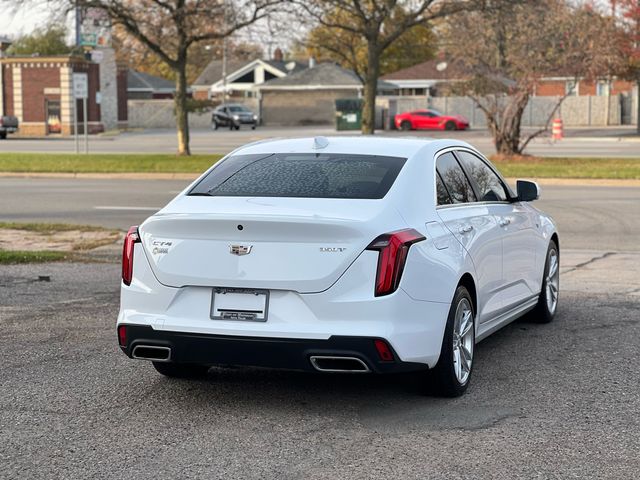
[{"x": 284, "y": 353}]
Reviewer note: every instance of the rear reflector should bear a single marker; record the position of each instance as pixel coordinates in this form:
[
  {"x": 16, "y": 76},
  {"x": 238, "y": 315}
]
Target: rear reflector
[
  {"x": 127, "y": 254},
  {"x": 122, "y": 335},
  {"x": 393, "y": 249},
  {"x": 384, "y": 351}
]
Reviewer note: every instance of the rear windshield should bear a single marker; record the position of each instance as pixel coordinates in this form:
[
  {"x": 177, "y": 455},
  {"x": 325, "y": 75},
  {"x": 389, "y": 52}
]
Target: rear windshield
[{"x": 307, "y": 175}]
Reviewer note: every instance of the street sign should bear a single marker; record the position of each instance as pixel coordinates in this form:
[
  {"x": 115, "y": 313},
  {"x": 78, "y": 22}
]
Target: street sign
[
  {"x": 80, "y": 85},
  {"x": 97, "y": 56}
]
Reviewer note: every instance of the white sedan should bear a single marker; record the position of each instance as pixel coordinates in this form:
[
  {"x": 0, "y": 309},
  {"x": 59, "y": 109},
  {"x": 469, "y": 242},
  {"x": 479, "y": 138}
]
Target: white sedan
[{"x": 365, "y": 254}]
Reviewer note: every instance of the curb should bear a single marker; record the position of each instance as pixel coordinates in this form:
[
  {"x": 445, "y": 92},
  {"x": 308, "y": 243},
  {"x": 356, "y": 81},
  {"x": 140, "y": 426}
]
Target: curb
[{"x": 87, "y": 175}]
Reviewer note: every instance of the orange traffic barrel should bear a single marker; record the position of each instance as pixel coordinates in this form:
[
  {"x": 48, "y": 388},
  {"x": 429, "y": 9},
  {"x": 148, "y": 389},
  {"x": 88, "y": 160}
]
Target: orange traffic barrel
[{"x": 556, "y": 129}]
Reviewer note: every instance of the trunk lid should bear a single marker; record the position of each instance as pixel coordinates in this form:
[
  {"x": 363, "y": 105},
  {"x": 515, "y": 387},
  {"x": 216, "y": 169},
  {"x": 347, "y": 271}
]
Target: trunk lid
[{"x": 296, "y": 244}]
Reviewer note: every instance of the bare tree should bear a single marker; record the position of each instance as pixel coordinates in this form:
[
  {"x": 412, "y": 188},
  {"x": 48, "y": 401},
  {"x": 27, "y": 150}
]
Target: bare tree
[
  {"x": 507, "y": 51},
  {"x": 169, "y": 28},
  {"x": 628, "y": 15},
  {"x": 380, "y": 23}
]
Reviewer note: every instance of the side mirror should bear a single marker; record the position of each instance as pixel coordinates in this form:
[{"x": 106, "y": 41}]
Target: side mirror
[{"x": 527, "y": 191}]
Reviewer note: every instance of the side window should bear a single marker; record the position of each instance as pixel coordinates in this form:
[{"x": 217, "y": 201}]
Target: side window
[
  {"x": 441, "y": 192},
  {"x": 455, "y": 179},
  {"x": 489, "y": 185}
]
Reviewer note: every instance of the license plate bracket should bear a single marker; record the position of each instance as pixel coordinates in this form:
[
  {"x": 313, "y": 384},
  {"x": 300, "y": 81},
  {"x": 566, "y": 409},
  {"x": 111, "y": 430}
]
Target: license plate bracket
[{"x": 239, "y": 304}]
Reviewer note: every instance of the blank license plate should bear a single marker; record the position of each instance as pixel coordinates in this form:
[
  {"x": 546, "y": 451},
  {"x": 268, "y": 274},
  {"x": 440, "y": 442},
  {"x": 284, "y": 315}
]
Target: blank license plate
[{"x": 239, "y": 304}]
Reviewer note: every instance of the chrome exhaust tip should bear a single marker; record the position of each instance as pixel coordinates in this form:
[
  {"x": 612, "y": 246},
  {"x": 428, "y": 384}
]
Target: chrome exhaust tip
[
  {"x": 337, "y": 364},
  {"x": 151, "y": 352}
]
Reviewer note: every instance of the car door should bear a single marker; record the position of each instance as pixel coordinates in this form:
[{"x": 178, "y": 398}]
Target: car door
[
  {"x": 432, "y": 119},
  {"x": 418, "y": 119},
  {"x": 517, "y": 226},
  {"x": 476, "y": 228}
]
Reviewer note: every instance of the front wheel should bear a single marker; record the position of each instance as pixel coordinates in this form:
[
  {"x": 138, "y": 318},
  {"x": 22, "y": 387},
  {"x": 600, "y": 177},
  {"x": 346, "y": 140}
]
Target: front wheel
[
  {"x": 215, "y": 125},
  {"x": 547, "y": 305},
  {"x": 181, "y": 370},
  {"x": 451, "y": 375},
  {"x": 3, "y": 135},
  {"x": 405, "y": 126},
  {"x": 450, "y": 125}
]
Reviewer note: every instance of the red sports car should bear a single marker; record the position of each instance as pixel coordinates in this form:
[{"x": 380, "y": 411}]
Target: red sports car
[{"x": 430, "y": 119}]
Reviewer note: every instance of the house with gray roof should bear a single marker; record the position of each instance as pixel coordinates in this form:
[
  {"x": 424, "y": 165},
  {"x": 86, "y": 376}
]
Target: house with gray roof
[
  {"x": 141, "y": 85},
  {"x": 307, "y": 97},
  {"x": 241, "y": 76}
]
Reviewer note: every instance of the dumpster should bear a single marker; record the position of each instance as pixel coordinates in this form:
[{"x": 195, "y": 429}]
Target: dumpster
[{"x": 348, "y": 113}]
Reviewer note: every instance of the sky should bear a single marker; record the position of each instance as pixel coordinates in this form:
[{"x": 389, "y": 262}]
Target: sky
[{"x": 19, "y": 20}]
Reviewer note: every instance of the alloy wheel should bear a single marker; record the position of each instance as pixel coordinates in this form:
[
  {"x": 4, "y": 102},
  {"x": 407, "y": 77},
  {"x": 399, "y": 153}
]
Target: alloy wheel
[
  {"x": 552, "y": 281},
  {"x": 463, "y": 340}
]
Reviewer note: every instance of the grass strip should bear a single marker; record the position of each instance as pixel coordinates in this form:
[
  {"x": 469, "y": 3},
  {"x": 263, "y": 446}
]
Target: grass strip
[
  {"x": 104, "y": 163},
  {"x": 12, "y": 257},
  {"x": 538, "y": 167},
  {"x": 569, "y": 167}
]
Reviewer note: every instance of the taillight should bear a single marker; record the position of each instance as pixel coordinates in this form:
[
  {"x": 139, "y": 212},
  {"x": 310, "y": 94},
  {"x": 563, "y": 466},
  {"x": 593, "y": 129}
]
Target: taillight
[
  {"x": 127, "y": 254},
  {"x": 393, "y": 249}
]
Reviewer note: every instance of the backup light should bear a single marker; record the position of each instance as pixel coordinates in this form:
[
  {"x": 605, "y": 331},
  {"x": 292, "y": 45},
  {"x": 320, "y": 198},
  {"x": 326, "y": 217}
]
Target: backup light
[
  {"x": 127, "y": 254},
  {"x": 392, "y": 249}
]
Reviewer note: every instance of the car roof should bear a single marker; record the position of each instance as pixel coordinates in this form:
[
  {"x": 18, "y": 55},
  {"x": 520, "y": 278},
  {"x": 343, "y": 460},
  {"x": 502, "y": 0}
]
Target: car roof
[{"x": 405, "y": 147}]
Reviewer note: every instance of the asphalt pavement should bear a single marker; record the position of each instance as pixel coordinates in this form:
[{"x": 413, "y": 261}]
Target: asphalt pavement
[
  {"x": 546, "y": 401},
  {"x": 585, "y": 142},
  {"x": 589, "y": 217}
]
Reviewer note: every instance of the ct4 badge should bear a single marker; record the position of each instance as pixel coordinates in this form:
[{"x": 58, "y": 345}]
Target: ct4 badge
[{"x": 240, "y": 249}]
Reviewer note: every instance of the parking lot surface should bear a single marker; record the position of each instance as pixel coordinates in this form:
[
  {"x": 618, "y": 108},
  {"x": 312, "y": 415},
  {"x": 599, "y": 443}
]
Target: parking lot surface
[{"x": 547, "y": 401}]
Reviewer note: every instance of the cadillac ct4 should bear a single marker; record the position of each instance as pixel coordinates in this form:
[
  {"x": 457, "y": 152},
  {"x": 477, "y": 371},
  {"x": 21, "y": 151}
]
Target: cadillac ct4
[{"x": 338, "y": 255}]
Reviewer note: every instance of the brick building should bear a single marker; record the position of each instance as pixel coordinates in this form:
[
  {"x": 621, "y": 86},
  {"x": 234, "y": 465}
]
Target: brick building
[{"x": 38, "y": 90}]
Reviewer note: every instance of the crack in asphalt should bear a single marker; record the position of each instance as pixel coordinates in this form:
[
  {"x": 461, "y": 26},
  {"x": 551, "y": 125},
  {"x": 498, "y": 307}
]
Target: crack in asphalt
[{"x": 589, "y": 262}]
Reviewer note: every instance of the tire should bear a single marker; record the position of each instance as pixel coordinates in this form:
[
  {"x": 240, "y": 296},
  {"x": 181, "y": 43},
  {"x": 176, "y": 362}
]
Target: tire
[
  {"x": 3, "y": 135},
  {"x": 181, "y": 370},
  {"x": 215, "y": 125},
  {"x": 547, "y": 305},
  {"x": 405, "y": 126},
  {"x": 237, "y": 127},
  {"x": 253, "y": 127},
  {"x": 450, "y": 125},
  {"x": 452, "y": 374}
]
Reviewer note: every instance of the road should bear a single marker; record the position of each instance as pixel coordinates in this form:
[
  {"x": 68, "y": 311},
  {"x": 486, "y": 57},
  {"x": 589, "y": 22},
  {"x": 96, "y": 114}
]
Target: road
[
  {"x": 601, "y": 218},
  {"x": 579, "y": 142},
  {"x": 546, "y": 401}
]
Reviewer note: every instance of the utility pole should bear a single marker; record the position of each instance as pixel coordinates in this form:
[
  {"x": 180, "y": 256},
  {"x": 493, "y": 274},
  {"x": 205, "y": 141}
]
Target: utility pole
[
  {"x": 78, "y": 21},
  {"x": 224, "y": 53},
  {"x": 224, "y": 70}
]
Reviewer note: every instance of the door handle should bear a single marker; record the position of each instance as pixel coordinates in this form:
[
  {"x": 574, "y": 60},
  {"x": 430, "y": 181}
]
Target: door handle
[
  {"x": 504, "y": 222},
  {"x": 465, "y": 229}
]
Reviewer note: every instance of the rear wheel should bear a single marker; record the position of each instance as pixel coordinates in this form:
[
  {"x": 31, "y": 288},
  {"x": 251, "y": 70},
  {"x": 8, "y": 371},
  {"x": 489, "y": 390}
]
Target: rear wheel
[
  {"x": 405, "y": 125},
  {"x": 451, "y": 375},
  {"x": 450, "y": 125},
  {"x": 181, "y": 370},
  {"x": 547, "y": 305},
  {"x": 3, "y": 135}
]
